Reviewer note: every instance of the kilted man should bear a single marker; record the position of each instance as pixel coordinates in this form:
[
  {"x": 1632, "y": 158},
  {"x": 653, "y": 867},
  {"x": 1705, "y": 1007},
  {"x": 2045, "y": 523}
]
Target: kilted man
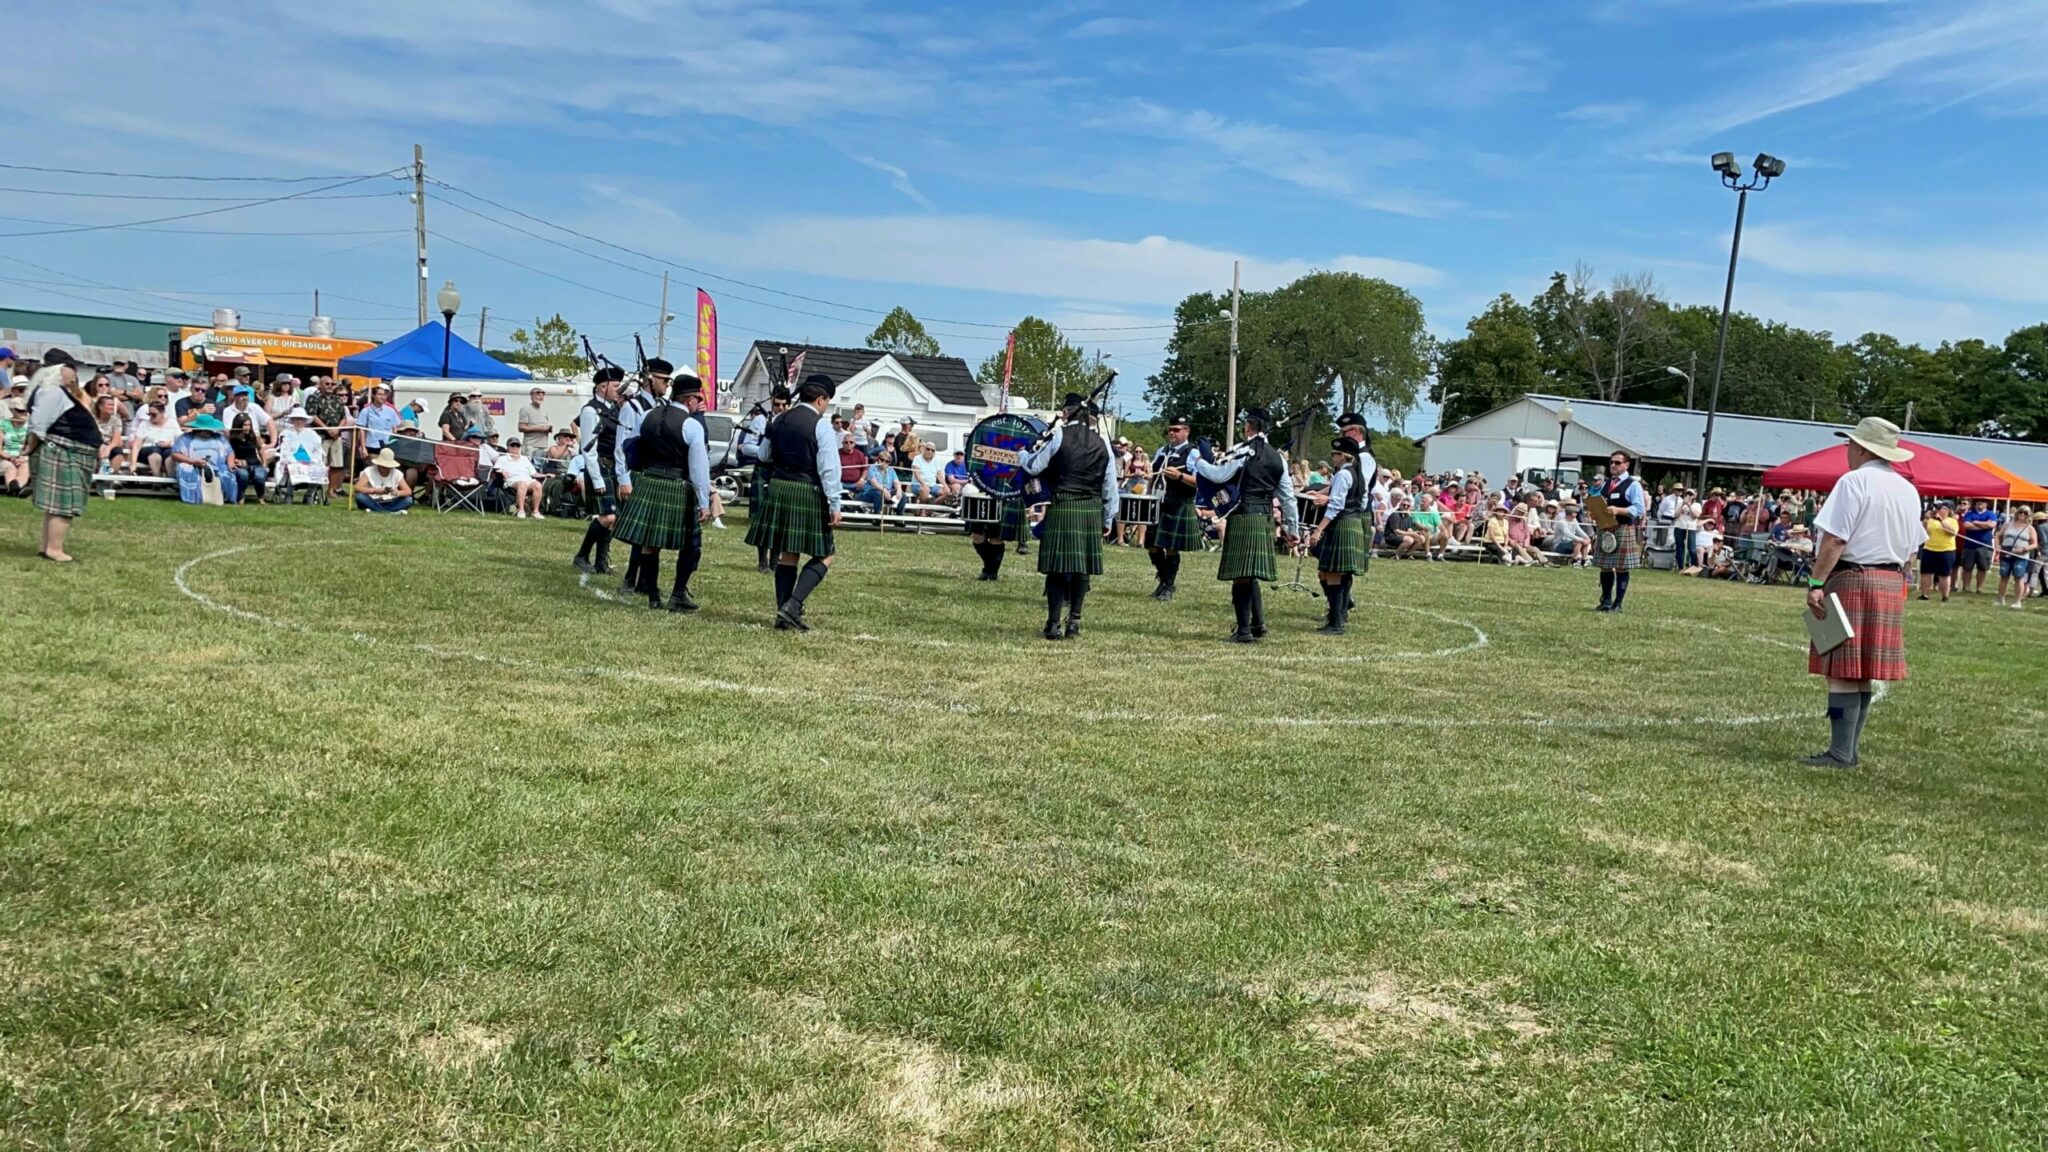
[
  {"x": 1618, "y": 551},
  {"x": 1079, "y": 469},
  {"x": 1179, "y": 529},
  {"x": 800, "y": 506},
  {"x": 63, "y": 447},
  {"x": 671, "y": 482},
  {"x": 752, "y": 435},
  {"x": 654, "y": 378},
  {"x": 1352, "y": 424},
  {"x": 597, "y": 441},
  {"x": 993, "y": 539},
  {"x": 1261, "y": 474},
  {"x": 1343, "y": 536},
  {"x": 1867, "y": 530}
]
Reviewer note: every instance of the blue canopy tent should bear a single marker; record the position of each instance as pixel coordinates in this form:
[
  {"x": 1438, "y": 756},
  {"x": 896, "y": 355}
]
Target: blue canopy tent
[{"x": 419, "y": 352}]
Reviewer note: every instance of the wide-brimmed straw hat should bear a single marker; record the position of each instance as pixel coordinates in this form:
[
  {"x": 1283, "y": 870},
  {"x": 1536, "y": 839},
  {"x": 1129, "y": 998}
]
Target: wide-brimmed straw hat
[
  {"x": 1879, "y": 437},
  {"x": 386, "y": 458}
]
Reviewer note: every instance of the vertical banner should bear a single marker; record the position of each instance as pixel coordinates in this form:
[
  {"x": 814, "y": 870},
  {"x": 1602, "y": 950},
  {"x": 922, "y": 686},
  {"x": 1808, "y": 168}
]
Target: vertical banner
[
  {"x": 1009, "y": 362},
  {"x": 796, "y": 365},
  {"x": 707, "y": 347}
]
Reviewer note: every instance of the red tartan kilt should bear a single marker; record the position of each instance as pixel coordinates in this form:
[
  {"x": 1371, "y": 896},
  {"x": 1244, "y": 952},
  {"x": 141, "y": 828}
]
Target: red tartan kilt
[{"x": 1875, "y": 602}]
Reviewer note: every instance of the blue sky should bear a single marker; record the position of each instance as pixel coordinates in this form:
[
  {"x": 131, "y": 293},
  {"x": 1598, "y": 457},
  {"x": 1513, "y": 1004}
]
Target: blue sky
[{"x": 1086, "y": 161}]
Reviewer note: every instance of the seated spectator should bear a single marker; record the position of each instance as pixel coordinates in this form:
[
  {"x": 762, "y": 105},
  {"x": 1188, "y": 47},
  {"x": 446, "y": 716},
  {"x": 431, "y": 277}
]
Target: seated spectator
[
  {"x": 956, "y": 477},
  {"x": 150, "y": 440},
  {"x": 1402, "y": 531},
  {"x": 516, "y": 471},
  {"x": 879, "y": 487},
  {"x": 928, "y": 475},
  {"x": 202, "y": 454},
  {"x": 1493, "y": 536},
  {"x": 853, "y": 463},
  {"x": 14, "y": 449},
  {"x": 106, "y": 412},
  {"x": 1705, "y": 542},
  {"x": 1563, "y": 537},
  {"x": 1522, "y": 548},
  {"x": 1429, "y": 520},
  {"x": 382, "y": 487},
  {"x": 301, "y": 453},
  {"x": 559, "y": 453},
  {"x": 248, "y": 458}
]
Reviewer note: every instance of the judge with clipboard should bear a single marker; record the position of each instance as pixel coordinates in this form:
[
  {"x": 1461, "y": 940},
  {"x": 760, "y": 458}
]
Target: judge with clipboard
[
  {"x": 1618, "y": 509},
  {"x": 1856, "y": 602}
]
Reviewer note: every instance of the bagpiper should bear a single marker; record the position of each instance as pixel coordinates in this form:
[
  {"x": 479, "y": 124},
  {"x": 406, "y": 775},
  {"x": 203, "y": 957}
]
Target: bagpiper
[
  {"x": 1342, "y": 537},
  {"x": 597, "y": 434},
  {"x": 671, "y": 482},
  {"x": 654, "y": 378},
  {"x": 1261, "y": 473},
  {"x": 1077, "y": 466},
  {"x": 800, "y": 505},
  {"x": 1179, "y": 529},
  {"x": 753, "y": 434}
]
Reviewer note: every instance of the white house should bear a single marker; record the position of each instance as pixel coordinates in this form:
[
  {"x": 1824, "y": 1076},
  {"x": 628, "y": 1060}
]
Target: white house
[{"x": 936, "y": 391}]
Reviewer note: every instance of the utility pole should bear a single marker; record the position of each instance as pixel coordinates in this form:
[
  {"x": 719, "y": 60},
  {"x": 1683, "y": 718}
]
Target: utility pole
[
  {"x": 1909, "y": 417},
  {"x": 482, "y": 318},
  {"x": 419, "y": 222},
  {"x": 1690, "y": 377},
  {"x": 1230, "y": 397},
  {"x": 661, "y": 328}
]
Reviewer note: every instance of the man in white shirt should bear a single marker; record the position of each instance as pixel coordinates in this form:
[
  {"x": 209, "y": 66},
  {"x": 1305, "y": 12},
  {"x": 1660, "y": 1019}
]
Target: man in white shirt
[
  {"x": 1868, "y": 529},
  {"x": 930, "y": 487},
  {"x": 515, "y": 468}
]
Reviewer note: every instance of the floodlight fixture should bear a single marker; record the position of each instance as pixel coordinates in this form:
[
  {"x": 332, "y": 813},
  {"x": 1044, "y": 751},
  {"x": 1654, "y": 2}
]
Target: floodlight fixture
[
  {"x": 1724, "y": 163},
  {"x": 1768, "y": 166}
]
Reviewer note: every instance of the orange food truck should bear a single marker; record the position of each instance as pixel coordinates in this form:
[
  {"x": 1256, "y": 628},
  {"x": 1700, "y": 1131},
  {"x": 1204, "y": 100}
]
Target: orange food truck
[{"x": 266, "y": 354}]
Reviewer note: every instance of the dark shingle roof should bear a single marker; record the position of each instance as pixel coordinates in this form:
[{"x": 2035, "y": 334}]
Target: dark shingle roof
[{"x": 946, "y": 377}]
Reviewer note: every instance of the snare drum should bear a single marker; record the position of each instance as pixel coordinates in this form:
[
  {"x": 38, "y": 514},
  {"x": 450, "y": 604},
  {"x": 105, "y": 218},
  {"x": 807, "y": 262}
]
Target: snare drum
[
  {"x": 1309, "y": 511},
  {"x": 1138, "y": 510},
  {"x": 980, "y": 509}
]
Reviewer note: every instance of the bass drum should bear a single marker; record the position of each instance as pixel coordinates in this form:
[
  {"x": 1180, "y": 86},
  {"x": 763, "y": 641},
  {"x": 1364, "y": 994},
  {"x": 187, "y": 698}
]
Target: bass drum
[{"x": 993, "y": 449}]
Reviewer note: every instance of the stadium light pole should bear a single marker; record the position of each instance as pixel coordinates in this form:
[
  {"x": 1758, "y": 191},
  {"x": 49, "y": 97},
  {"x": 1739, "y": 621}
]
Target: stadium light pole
[
  {"x": 1564, "y": 423},
  {"x": 450, "y": 302},
  {"x": 1763, "y": 170}
]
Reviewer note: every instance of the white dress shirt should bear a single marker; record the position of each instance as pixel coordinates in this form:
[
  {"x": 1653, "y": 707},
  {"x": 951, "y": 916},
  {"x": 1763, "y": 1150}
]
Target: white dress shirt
[{"x": 1876, "y": 513}]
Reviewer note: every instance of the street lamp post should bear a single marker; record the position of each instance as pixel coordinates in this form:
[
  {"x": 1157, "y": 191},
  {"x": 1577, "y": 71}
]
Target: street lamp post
[
  {"x": 1763, "y": 170},
  {"x": 451, "y": 302},
  {"x": 1235, "y": 310},
  {"x": 1442, "y": 405},
  {"x": 1564, "y": 423}
]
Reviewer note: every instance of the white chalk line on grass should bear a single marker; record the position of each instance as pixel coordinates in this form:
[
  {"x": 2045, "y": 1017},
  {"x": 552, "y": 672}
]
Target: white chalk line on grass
[
  {"x": 1479, "y": 640},
  {"x": 714, "y": 686}
]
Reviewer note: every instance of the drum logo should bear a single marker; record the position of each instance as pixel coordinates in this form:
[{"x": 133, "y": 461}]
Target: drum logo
[{"x": 991, "y": 454}]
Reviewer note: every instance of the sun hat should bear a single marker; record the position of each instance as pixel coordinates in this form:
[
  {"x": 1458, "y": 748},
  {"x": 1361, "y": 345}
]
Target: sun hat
[
  {"x": 297, "y": 414},
  {"x": 385, "y": 458},
  {"x": 206, "y": 424},
  {"x": 1879, "y": 437}
]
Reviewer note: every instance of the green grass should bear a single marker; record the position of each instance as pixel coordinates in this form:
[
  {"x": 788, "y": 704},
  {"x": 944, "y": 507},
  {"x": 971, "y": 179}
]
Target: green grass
[{"x": 454, "y": 854}]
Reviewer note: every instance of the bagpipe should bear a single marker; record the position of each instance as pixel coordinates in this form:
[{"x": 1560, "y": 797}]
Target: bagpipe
[{"x": 1219, "y": 497}]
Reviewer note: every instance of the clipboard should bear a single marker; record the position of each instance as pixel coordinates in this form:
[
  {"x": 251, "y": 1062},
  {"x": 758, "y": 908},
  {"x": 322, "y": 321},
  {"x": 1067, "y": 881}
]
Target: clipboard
[
  {"x": 1603, "y": 516},
  {"x": 1830, "y": 631}
]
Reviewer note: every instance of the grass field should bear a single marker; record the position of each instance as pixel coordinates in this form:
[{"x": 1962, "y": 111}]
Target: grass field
[{"x": 391, "y": 835}]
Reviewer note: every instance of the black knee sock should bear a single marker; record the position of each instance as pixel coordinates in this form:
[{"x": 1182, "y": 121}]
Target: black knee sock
[
  {"x": 649, "y": 561},
  {"x": 686, "y": 567},
  {"x": 761, "y": 552},
  {"x": 1241, "y": 603},
  {"x": 995, "y": 557},
  {"x": 785, "y": 583},
  {"x": 808, "y": 580},
  {"x": 633, "y": 566},
  {"x": 1077, "y": 592},
  {"x": 1606, "y": 587},
  {"x": 1620, "y": 588},
  {"x": 1333, "y": 595},
  {"x": 591, "y": 537},
  {"x": 1171, "y": 572},
  {"x": 1158, "y": 563},
  {"x": 1055, "y": 598},
  {"x": 1258, "y": 606}
]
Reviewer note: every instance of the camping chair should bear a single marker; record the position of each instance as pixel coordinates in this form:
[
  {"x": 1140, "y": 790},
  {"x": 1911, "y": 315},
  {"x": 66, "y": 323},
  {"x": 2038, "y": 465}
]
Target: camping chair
[{"x": 456, "y": 484}]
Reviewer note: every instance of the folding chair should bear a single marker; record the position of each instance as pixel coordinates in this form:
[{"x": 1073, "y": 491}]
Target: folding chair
[{"x": 456, "y": 484}]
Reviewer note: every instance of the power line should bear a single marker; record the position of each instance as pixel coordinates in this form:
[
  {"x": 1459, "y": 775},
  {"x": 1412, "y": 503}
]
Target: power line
[
  {"x": 191, "y": 215},
  {"x": 151, "y": 196},
  {"x": 205, "y": 231},
  {"x": 159, "y": 176}
]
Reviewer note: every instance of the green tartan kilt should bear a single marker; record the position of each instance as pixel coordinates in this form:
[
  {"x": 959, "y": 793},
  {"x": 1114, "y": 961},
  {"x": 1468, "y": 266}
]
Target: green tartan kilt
[
  {"x": 1178, "y": 530},
  {"x": 1343, "y": 547},
  {"x": 662, "y": 512},
  {"x": 1248, "y": 548},
  {"x": 791, "y": 518},
  {"x": 63, "y": 476},
  {"x": 757, "y": 499},
  {"x": 1009, "y": 529},
  {"x": 1072, "y": 542}
]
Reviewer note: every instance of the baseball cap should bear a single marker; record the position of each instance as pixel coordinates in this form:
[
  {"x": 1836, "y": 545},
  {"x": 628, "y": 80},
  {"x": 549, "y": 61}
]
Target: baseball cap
[
  {"x": 6, "y": 353},
  {"x": 241, "y": 369}
]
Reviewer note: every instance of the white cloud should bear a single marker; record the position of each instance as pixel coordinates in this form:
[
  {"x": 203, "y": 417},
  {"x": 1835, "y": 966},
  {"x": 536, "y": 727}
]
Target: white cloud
[
  {"x": 1103, "y": 27},
  {"x": 1606, "y": 115},
  {"x": 1448, "y": 72},
  {"x": 899, "y": 180},
  {"x": 2008, "y": 273}
]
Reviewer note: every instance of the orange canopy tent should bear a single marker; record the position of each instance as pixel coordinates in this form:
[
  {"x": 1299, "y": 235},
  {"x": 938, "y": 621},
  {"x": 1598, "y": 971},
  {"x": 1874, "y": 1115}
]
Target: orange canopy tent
[{"x": 2024, "y": 491}]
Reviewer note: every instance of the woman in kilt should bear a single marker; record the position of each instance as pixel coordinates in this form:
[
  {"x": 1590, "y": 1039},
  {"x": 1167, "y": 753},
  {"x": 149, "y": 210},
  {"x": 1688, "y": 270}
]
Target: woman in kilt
[
  {"x": 1179, "y": 529},
  {"x": 800, "y": 503},
  {"x": 1618, "y": 551},
  {"x": 753, "y": 435},
  {"x": 1341, "y": 539},
  {"x": 1079, "y": 469},
  {"x": 1261, "y": 474},
  {"x": 1867, "y": 529},
  {"x": 63, "y": 447},
  {"x": 671, "y": 482}
]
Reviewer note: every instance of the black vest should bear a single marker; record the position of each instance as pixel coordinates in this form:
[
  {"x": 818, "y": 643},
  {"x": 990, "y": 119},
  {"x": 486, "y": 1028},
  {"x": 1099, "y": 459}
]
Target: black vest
[
  {"x": 1077, "y": 468},
  {"x": 1260, "y": 480},
  {"x": 607, "y": 427},
  {"x": 76, "y": 424},
  {"x": 793, "y": 442},
  {"x": 1173, "y": 493},
  {"x": 661, "y": 440},
  {"x": 1354, "y": 500}
]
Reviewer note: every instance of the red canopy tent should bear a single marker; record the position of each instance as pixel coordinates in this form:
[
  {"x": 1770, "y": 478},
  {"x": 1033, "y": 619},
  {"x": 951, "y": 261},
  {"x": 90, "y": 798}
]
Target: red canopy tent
[{"x": 1932, "y": 471}]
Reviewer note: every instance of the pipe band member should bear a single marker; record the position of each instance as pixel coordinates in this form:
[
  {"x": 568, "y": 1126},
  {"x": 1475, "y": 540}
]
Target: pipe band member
[
  {"x": 993, "y": 539},
  {"x": 1342, "y": 539},
  {"x": 671, "y": 482},
  {"x": 1179, "y": 529},
  {"x": 800, "y": 505},
  {"x": 753, "y": 434},
  {"x": 1261, "y": 473},
  {"x": 597, "y": 439},
  {"x": 1868, "y": 528},
  {"x": 1617, "y": 551},
  {"x": 1080, "y": 470},
  {"x": 654, "y": 378},
  {"x": 1352, "y": 424}
]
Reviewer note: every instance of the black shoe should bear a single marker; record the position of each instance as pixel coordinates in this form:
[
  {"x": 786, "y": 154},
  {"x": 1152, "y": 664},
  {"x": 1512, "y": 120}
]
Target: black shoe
[
  {"x": 1073, "y": 627},
  {"x": 1023, "y": 549},
  {"x": 1052, "y": 632},
  {"x": 791, "y": 615},
  {"x": 1349, "y": 603},
  {"x": 584, "y": 565},
  {"x": 1159, "y": 593},
  {"x": 604, "y": 568},
  {"x": 628, "y": 588},
  {"x": 1330, "y": 628},
  {"x": 1258, "y": 631},
  {"x": 654, "y": 602},
  {"x": 1167, "y": 592},
  {"x": 1604, "y": 607},
  {"x": 682, "y": 602},
  {"x": 1240, "y": 637},
  {"x": 764, "y": 567},
  {"x": 1826, "y": 760}
]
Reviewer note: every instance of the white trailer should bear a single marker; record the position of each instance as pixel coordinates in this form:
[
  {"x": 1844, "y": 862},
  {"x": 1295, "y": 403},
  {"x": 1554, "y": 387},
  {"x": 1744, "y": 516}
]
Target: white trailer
[{"x": 1495, "y": 457}]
